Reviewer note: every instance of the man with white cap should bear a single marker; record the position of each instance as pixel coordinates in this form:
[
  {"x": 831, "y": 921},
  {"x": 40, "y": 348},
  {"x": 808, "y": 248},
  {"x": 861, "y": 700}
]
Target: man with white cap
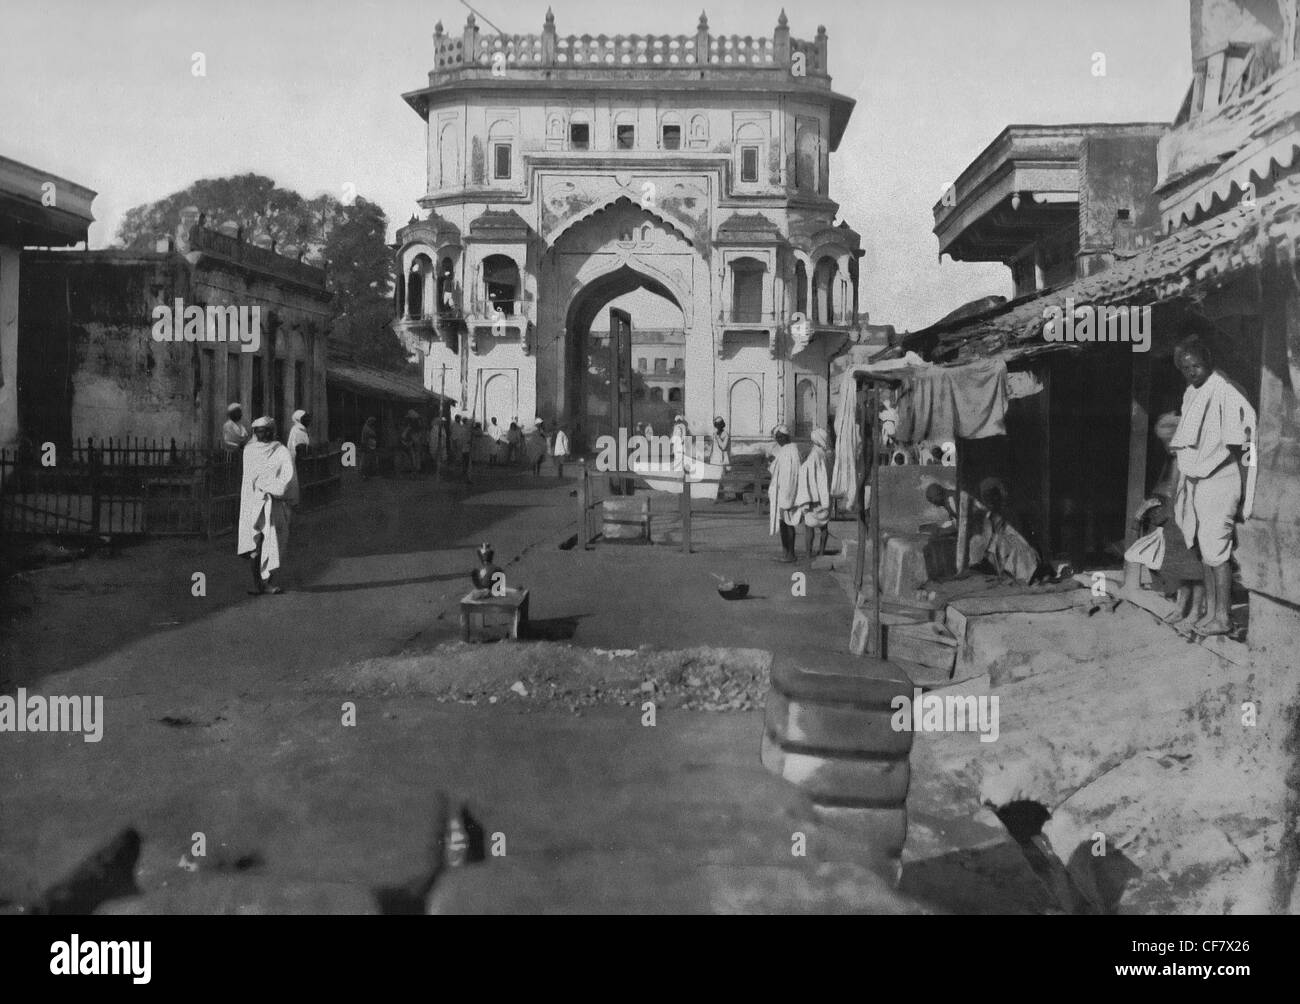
[
  {"x": 234, "y": 434},
  {"x": 813, "y": 499},
  {"x": 269, "y": 490},
  {"x": 299, "y": 437},
  {"x": 535, "y": 447},
  {"x": 783, "y": 491}
]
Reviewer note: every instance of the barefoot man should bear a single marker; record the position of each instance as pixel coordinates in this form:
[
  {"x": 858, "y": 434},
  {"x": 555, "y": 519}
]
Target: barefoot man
[
  {"x": 1211, "y": 442},
  {"x": 270, "y": 487}
]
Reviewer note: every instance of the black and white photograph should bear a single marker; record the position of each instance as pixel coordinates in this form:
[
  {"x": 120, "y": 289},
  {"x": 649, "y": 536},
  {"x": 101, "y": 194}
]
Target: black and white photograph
[{"x": 548, "y": 457}]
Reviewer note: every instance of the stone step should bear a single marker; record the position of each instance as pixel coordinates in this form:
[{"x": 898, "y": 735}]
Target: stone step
[
  {"x": 816, "y": 727},
  {"x": 841, "y": 780}
]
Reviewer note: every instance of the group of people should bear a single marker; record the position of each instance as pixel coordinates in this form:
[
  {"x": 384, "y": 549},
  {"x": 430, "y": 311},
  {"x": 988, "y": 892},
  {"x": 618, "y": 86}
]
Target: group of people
[
  {"x": 1206, "y": 486},
  {"x": 800, "y": 493},
  {"x": 472, "y": 445},
  {"x": 268, "y": 490}
]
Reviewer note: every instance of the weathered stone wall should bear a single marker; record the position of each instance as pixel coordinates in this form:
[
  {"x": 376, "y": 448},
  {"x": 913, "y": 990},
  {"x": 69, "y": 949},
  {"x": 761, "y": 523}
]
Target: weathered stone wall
[
  {"x": 126, "y": 384},
  {"x": 9, "y": 259}
]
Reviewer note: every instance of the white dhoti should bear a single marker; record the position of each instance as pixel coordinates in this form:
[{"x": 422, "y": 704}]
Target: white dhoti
[
  {"x": 269, "y": 488},
  {"x": 1205, "y": 508},
  {"x": 271, "y": 533}
]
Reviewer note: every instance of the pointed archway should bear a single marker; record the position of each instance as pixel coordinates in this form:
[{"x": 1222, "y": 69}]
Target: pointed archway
[{"x": 598, "y": 376}]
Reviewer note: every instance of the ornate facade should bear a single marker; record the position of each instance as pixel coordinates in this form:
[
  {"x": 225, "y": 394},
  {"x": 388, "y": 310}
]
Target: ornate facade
[{"x": 567, "y": 171}]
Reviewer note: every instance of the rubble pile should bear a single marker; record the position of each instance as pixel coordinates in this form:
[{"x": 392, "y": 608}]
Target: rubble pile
[{"x": 555, "y": 676}]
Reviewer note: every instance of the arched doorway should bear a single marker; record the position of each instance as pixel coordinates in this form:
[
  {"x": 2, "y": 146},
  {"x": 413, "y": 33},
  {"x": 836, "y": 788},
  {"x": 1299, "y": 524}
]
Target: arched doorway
[{"x": 626, "y": 353}]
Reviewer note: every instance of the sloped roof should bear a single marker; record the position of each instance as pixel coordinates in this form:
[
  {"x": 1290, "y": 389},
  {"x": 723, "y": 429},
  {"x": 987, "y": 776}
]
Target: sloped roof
[
  {"x": 1193, "y": 257},
  {"x": 499, "y": 223},
  {"x": 1241, "y": 144},
  {"x": 748, "y": 226},
  {"x": 379, "y": 383}
]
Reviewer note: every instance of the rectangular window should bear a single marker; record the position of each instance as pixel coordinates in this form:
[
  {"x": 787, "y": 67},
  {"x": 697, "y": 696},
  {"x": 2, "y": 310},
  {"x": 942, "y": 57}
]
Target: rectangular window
[
  {"x": 501, "y": 160},
  {"x": 661, "y": 365},
  {"x": 641, "y": 364},
  {"x": 626, "y": 136},
  {"x": 672, "y": 137},
  {"x": 749, "y": 164},
  {"x": 300, "y": 389},
  {"x": 579, "y": 136}
]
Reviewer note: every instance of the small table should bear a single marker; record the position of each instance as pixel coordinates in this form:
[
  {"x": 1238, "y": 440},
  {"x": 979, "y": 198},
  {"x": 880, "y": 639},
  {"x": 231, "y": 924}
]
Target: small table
[{"x": 483, "y": 614}]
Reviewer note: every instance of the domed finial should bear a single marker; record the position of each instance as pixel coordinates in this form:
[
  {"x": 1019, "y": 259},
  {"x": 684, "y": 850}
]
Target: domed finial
[
  {"x": 550, "y": 16},
  {"x": 437, "y": 28},
  {"x": 782, "y": 21},
  {"x": 470, "y": 22},
  {"x": 821, "y": 29},
  {"x": 704, "y": 21}
]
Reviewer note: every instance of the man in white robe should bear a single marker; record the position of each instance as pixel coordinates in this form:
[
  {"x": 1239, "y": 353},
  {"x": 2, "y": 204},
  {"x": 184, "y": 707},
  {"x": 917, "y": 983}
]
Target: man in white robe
[
  {"x": 1211, "y": 443},
  {"x": 783, "y": 511},
  {"x": 234, "y": 434},
  {"x": 813, "y": 497},
  {"x": 299, "y": 437},
  {"x": 269, "y": 490}
]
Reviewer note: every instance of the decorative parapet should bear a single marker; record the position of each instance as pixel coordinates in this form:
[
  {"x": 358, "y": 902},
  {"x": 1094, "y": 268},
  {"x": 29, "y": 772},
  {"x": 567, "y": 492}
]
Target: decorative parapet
[
  {"x": 237, "y": 250},
  {"x": 472, "y": 50}
]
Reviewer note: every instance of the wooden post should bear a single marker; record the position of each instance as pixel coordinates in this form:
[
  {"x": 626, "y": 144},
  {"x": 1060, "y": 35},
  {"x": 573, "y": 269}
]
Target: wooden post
[
  {"x": 1139, "y": 423},
  {"x": 686, "y": 512},
  {"x": 863, "y": 514},
  {"x": 584, "y": 504},
  {"x": 93, "y": 457},
  {"x": 877, "y": 633}
]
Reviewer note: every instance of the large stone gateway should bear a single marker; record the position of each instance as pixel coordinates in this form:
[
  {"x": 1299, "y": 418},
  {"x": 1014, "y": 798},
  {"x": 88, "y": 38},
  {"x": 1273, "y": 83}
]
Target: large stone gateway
[{"x": 666, "y": 192}]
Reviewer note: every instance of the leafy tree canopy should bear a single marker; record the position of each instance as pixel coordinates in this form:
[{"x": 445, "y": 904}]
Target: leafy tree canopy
[{"x": 348, "y": 239}]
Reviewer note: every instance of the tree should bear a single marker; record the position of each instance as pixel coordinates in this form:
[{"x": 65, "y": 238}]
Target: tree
[{"x": 347, "y": 239}]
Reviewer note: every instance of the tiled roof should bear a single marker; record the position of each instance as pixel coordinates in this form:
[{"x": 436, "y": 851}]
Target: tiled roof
[{"x": 1196, "y": 256}]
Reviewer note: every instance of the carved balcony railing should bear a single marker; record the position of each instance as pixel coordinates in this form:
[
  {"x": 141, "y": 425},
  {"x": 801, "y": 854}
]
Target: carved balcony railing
[{"x": 473, "y": 50}]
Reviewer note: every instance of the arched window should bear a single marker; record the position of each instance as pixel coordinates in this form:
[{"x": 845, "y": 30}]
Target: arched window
[
  {"x": 824, "y": 281},
  {"x": 501, "y": 283},
  {"x": 699, "y": 132},
  {"x": 801, "y": 287},
  {"x": 747, "y": 290},
  {"x": 446, "y": 287},
  {"x": 421, "y": 269},
  {"x": 448, "y": 156},
  {"x": 674, "y": 394},
  {"x": 656, "y": 393},
  {"x": 745, "y": 408},
  {"x": 555, "y": 132}
]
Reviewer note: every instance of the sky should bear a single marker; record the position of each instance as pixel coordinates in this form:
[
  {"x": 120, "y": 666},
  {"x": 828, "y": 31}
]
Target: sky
[{"x": 308, "y": 93}]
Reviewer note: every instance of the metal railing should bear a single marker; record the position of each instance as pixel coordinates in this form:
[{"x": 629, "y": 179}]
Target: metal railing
[{"x": 136, "y": 487}]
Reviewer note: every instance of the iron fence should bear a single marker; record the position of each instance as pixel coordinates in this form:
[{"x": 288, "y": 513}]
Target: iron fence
[{"x": 137, "y": 487}]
